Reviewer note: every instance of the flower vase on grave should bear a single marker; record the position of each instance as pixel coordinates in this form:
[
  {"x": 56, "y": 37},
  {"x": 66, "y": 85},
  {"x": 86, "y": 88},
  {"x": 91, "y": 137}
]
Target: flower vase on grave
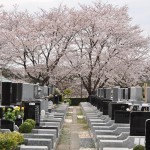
[{"x": 18, "y": 121}]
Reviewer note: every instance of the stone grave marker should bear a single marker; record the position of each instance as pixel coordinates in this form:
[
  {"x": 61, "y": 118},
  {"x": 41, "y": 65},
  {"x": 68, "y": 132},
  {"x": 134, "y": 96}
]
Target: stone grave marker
[
  {"x": 14, "y": 93},
  {"x": 138, "y": 95},
  {"x": 129, "y": 93},
  {"x": 147, "y": 135},
  {"x": 6, "y": 93},
  {"x": 101, "y": 92},
  {"x": 105, "y": 106},
  {"x": 148, "y": 94},
  {"x": 112, "y": 107},
  {"x": 121, "y": 116},
  {"x": 133, "y": 93},
  {"x": 116, "y": 94},
  {"x": 137, "y": 123},
  {"x": 32, "y": 111},
  {"x": 108, "y": 93}
]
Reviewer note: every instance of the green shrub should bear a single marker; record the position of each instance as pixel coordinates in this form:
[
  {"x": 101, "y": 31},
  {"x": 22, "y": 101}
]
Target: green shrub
[
  {"x": 10, "y": 114},
  {"x": 76, "y": 101},
  {"x": 139, "y": 147},
  {"x": 10, "y": 140},
  {"x": 26, "y": 127},
  {"x": 17, "y": 137},
  {"x": 31, "y": 121}
]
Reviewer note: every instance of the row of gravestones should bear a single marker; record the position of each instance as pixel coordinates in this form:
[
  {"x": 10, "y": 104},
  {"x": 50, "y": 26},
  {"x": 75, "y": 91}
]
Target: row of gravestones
[
  {"x": 117, "y": 93},
  {"x": 15, "y": 93},
  {"x": 48, "y": 128},
  {"x": 118, "y": 113},
  {"x": 106, "y": 129}
]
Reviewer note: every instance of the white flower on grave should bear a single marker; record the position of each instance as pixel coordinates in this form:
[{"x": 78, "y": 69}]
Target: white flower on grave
[{"x": 19, "y": 116}]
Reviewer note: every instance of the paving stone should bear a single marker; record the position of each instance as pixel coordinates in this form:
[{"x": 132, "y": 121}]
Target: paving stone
[{"x": 87, "y": 143}]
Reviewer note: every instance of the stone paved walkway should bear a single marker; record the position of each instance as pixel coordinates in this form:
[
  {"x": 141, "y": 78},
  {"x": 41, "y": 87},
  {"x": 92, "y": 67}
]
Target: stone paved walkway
[{"x": 75, "y": 133}]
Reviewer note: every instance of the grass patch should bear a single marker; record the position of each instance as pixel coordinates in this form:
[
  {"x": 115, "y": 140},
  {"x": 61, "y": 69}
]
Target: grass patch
[
  {"x": 81, "y": 121},
  {"x": 69, "y": 116},
  {"x": 85, "y": 127},
  {"x": 65, "y": 136},
  {"x": 79, "y": 112}
]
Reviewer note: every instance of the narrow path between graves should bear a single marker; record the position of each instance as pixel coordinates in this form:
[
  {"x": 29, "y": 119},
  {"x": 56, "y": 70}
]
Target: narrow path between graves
[{"x": 75, "y": 133}]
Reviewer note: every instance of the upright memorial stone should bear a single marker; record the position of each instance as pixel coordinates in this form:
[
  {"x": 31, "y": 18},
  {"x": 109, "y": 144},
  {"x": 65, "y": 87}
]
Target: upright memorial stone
[
  {"x": 122, "y": 93},
  {"x": 6, "y": 93},
  {"x": 129, "y": 93},
  {"x": 105, "y": 107},
  {"x": 50, "y": 89},
  {"x": 126, "y": 93},
  {"x": 138, "y": 96},
  {"x": 121, "y": 116},
  {"x": 45, "y": 93},
  {"x": 101, "y": 92},
  {"x": 96, "y": 92},
  {"x": 32, "y": 111},
  {"x": 19, "y": 89},
  {"x": 133, "y": 93},
  {"x": 27, "y": 91},
  {"x": 56, "y": 99},
  {"x": 104, "y": 92},
  {"x": 1, "y": 112},
  {"x": 116, "y": 106},
  {"x": 136, "y": 93},
  {"x": 147, "y": 136},
  {"x": 137, "y": 123},
  {"x": 148, "y": 94},
  {"x": 14, "y": 93},
  {"x": 108, "y": 93},
  {"x": 116, "y": 94}
]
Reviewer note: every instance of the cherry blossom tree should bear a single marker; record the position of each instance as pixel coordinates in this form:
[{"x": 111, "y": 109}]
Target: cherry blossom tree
[
  {"x": 106, "y": 37},
  {"x": 38, "y": 41},
  {"x": 94, "y": 46}
]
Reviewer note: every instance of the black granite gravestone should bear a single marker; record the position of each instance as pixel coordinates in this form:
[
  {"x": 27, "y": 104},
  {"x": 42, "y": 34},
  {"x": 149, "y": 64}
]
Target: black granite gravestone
[
  {"x": 123, "y": 96},
  {"x": 105, "y": 106},
  {"x": 129, "y": 93},
  {"x": 6, "y": 124},
  {"x": 137, "y": 123},
  {"x": 1, "y": 112},
  {"x": 56, "y": 99},
  {"x": 98, "y": 103},
  {"x": 121, "y": 116},
  {"x": 32, "y": 111},
  {"x": 147, "y": 135},
  {"x": 19, "y": 89},
  {"x": 105, "y": 93},
  {"x": 14, "y": 93},
  {"x": 6, "y": 93},
  {"x": 112, "y": 107}
]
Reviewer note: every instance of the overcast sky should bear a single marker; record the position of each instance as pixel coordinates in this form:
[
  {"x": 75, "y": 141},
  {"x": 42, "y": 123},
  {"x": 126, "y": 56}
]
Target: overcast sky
[{"x": 138, "y": 9}]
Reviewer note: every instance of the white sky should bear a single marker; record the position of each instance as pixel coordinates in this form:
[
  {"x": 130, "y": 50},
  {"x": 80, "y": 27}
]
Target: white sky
[{"x": 139, "y": 10}]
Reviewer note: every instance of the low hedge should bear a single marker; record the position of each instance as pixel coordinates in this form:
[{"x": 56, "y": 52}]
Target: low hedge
[
  {"x": 26, "y": 127},
  {"x": 139, "y": 147},
  {"x": 76, "y": 101},
  {"x": 31, "y": 121},
  {"x": 10, "y": 140}
]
